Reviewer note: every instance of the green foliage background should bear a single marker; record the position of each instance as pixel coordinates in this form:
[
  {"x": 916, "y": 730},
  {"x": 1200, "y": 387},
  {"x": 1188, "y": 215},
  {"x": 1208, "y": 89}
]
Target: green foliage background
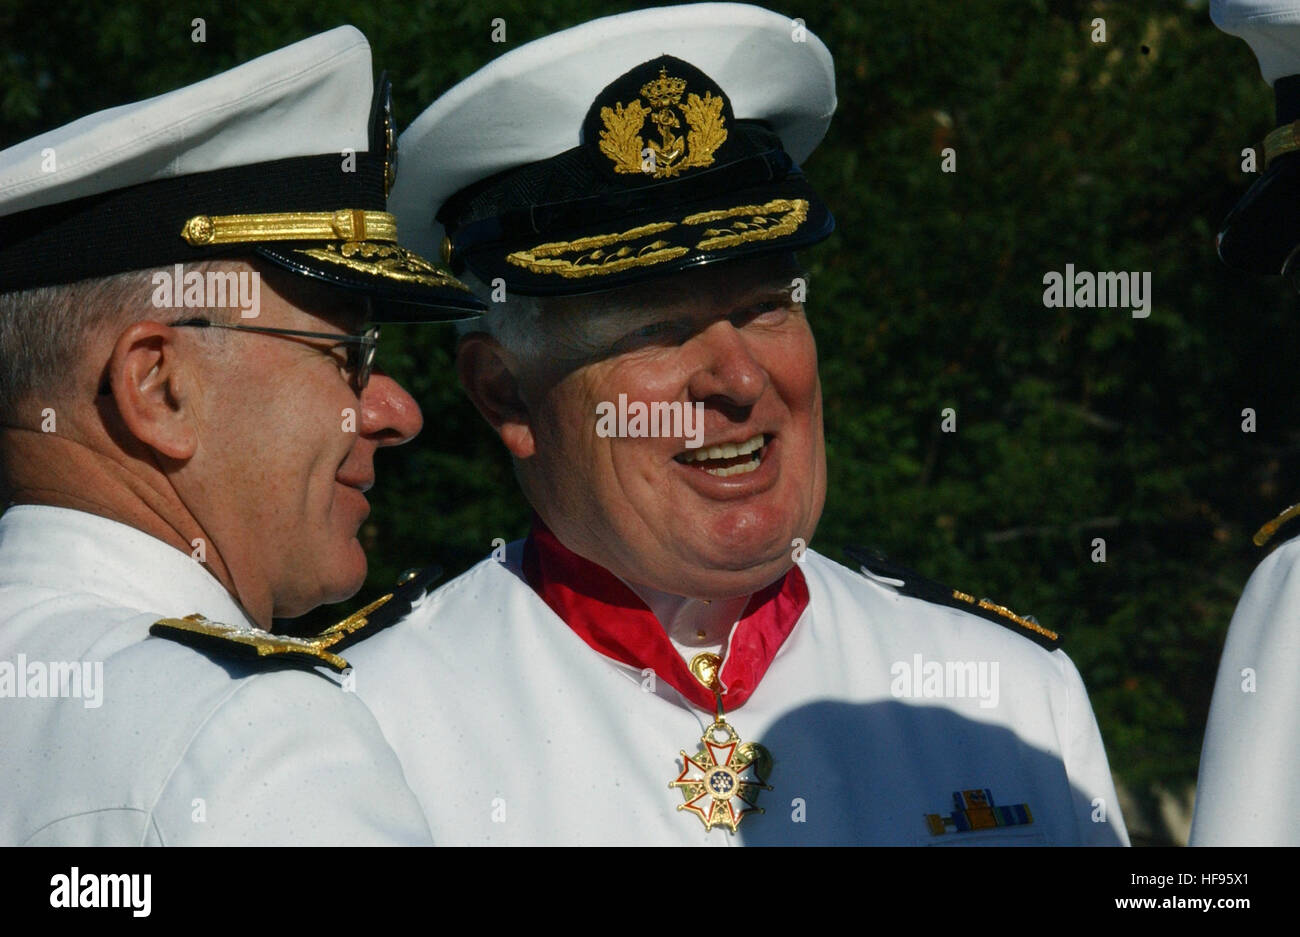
[{"x": 1072, "y": 423}]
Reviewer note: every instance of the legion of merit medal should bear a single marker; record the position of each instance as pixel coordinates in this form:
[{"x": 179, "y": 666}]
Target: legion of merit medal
[{"x": 721, "y": 781}]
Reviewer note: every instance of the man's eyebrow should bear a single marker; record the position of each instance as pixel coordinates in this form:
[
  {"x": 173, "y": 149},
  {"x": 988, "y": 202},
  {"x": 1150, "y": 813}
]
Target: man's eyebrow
[{"x": 776, "y": 289}]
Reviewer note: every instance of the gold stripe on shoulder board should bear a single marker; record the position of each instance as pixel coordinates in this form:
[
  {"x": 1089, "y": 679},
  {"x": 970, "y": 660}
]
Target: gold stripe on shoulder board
[
  {"x": 1005, "y": 612},
  {"x": 265, "y": 643},
  {"x": 1265, "y": 533}
]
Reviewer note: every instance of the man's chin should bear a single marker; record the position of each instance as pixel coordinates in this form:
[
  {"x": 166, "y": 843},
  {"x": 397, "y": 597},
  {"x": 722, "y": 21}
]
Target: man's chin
[
  {"x": 724, "y": 577},
  {"x": 348, "y": 575},
  {"x": 740, "y": 540}
]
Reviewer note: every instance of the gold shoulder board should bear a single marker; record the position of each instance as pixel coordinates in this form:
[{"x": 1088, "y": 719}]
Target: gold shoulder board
[
  {"x": 1266, "y": 533},
  {"x": 917, "y": 586},
  {"x": 255, "y": 644}
]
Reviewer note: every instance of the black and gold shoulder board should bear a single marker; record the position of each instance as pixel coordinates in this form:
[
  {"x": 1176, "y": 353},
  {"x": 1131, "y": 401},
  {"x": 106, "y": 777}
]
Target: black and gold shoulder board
[
  {"x": 1287, "y": 520},
  {"x": 917, "y": 586},
  {"x": 247, "y": 643}
]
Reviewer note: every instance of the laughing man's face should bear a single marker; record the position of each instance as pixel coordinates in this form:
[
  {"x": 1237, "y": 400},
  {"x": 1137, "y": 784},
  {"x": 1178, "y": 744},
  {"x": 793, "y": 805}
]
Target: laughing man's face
[{"x": 712, "y": 521}]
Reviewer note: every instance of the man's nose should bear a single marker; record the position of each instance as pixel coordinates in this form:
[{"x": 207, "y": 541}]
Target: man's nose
[
  {"x": 389, "y": 415},
  {"x": 728, "y": 368}
]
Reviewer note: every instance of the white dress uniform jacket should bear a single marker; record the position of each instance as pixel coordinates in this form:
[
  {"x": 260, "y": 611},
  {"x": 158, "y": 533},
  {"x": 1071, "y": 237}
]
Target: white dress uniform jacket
[
  {"x": 152, "y": 742},
  {"x": 512, "y": 729},
  {"x": 1249, "y": 778}
]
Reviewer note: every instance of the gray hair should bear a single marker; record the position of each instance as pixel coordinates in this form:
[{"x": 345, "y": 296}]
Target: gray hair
[
  {"x": 541, "y": 330},
  {"x": 44, "y": 330},
  {"x": 515, "y": 321}
]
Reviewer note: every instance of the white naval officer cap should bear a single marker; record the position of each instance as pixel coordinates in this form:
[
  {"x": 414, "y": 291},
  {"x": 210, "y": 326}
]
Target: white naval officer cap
[
  {"x": 1270, "y": 27},
  {"x": 287, "y": 158},
  {"x": 628, "y": 147},
  {"x": 1262, "y": 232}
]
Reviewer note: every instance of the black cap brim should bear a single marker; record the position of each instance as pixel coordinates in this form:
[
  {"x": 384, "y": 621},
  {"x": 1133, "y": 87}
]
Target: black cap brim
[{"x": 402, "y": 286}]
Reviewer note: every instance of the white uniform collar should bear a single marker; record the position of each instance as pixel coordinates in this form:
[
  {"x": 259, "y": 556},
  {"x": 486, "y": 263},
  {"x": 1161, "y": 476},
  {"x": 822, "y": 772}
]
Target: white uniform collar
[
  {"x": 693, "y": 625},
  {"x": 74, "y": 551}
]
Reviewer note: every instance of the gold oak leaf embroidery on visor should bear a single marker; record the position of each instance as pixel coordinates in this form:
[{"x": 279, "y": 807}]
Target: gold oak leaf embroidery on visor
[
  {"x": 602, "y": 254},
  {"x": 384, "y": 260},
  {"x": 670, "y": 155},
  {"x": 776, "y": 218},
  {"x": 591, "y": 256}
]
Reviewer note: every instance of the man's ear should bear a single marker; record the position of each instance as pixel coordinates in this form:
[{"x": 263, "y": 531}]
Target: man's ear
[
  {"x": 494, "y": 390},
  {"x": 150, "y": 389}
]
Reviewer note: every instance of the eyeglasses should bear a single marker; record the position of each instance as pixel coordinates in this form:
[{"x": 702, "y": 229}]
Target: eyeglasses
[{"x": 360, "y": 348}]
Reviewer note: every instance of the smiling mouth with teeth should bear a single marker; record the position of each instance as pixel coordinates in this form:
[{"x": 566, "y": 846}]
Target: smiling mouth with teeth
[{"x": 727, "y": 459}]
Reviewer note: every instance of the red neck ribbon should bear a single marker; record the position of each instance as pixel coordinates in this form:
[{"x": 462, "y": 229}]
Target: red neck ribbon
[{"x": 613, "y": 620}]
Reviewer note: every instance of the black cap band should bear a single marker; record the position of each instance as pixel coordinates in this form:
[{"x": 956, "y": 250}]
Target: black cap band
[{"x": 141, "y": 226}]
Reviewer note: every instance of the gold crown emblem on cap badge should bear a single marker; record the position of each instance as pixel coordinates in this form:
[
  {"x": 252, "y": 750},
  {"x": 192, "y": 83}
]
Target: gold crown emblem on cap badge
[{"x": 670, "y": 155}]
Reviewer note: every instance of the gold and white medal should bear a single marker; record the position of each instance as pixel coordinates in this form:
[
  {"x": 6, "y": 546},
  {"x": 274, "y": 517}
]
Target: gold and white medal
[{"x": 721, "y": 781}]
